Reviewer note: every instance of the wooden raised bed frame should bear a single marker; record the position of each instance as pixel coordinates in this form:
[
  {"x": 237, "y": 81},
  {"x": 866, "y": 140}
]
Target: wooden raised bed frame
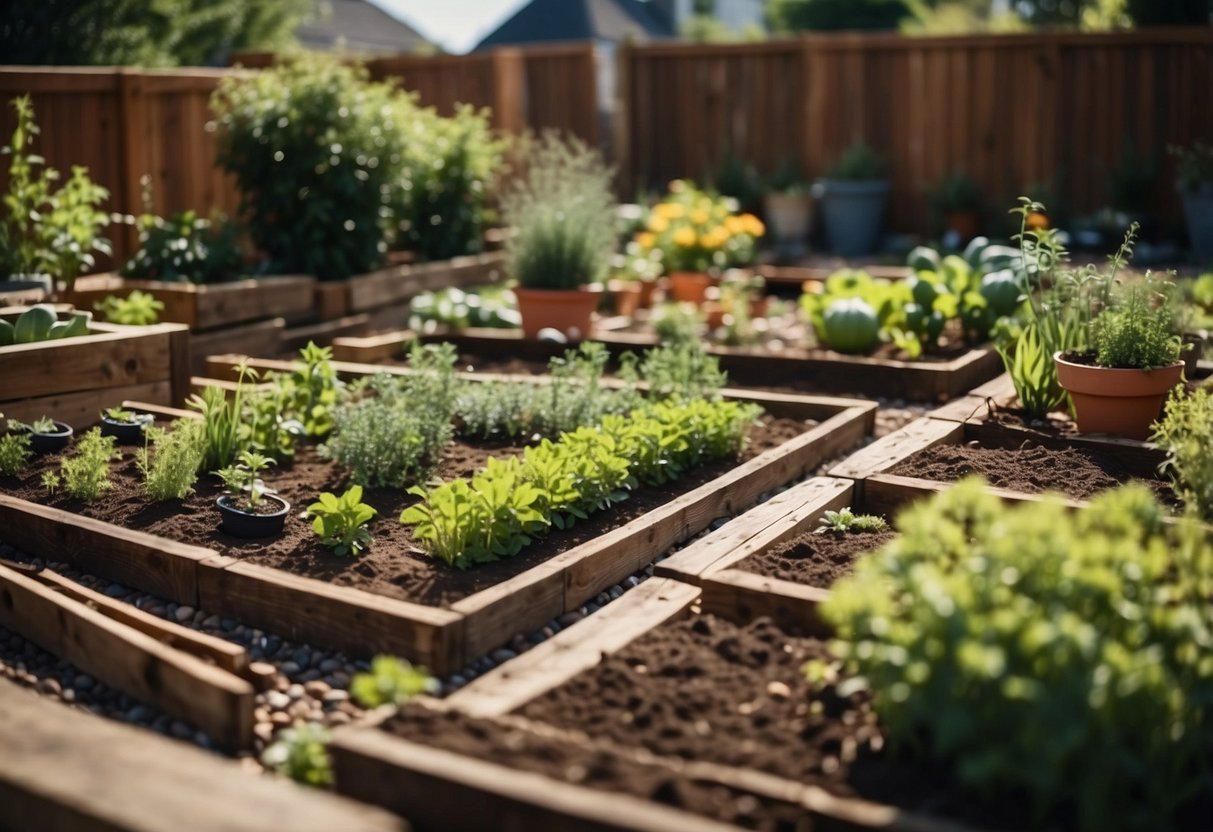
[
  {"x": 410, "y": 778},
  {"x": 74, "y": 379},
  {"x": 934, "y": 381},
  {"x": 444, "y": 639},
  {"x": 212, "y": 305}
]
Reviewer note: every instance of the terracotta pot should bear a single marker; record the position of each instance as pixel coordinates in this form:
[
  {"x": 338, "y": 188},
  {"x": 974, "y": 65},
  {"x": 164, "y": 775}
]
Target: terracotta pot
[
  {"x": 690, "y": 287},
  {"x": 626, "y": 296},
  {"x": 713, "y": 311},
  {"x": 1118, "y": 402},
  {"x": 647, "y": 289},
  {"x": 570, "y": 311},
  {"x": 964, "y": 223},
  {"x": 790, "y": 216}
]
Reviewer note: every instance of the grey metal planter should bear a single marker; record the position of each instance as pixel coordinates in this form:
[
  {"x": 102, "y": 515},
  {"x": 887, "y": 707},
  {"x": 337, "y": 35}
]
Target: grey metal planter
[
  {"x": 1198, "y": 209},
  {"x": 853, "y": 213}
]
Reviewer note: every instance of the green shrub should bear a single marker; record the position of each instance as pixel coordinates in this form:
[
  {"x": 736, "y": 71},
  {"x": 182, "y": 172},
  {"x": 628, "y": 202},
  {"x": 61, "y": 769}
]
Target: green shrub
[
  {"x": 681, "y": 371},
  {"x": 1185, "y": 432},
  {"x": 563, "y": 213},
  {"x": 185, "y": 248},
  {"x": 1062, "y": 656},
  {"x": 136, "y": 309},
  {"x": 860, "y": 163},
  {"x": 316, "y": 149},
  {"x": 1136, "y": 333},
  {"x": 448, "y": 168},
  {"x": 86, "y": 473},
  {"x": 171, "y": 471},
  {"x": 14, "y": 453}
]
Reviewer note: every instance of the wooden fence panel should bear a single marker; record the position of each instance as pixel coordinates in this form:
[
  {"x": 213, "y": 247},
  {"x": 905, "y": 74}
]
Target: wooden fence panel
[{"x": 1054, "y": 110}]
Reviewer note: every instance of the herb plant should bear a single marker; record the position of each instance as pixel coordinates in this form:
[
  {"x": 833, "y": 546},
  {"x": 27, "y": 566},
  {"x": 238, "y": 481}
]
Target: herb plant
[
  {"x": 845, "y": 520},
  {"x": 1185, "y": 432},
  {"x": 85, "y": 474},
  {"x": 139, "y": 308},
  {"x": 224, "y": 434},
  {"x": 1041, "y": 653},
  {"x": 1136, "y": 332},
  {"x": 301, "y": 754},
  {"x": 681, "y": 372},
  {"x": 169, "y": 473},
  {"x": 391, "y": 681},
  {"x": 243, "y": 482},
  {"x": 341, "y": 521},
  {"x": 562, "y": 210},
  {"x": 14, "y": 453}
]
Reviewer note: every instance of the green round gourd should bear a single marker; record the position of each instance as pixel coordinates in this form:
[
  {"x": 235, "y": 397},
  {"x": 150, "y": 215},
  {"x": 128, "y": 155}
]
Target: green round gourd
[
  {"x": 1001, "y": 291},
  {"x": 851, "y": 325}
]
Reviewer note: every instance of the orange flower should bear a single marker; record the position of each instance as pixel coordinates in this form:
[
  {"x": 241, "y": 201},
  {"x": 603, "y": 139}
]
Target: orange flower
[
  {"x": 646, "y": 239},
  {"x": 684, "y": 237}
]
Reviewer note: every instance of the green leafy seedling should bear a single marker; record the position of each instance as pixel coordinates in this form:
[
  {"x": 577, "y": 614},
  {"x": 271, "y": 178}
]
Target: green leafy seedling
[
  {"x": 846, "y": 520},
  {"x": 391, "y": 681},
  {"x": 341, "y": 521}
]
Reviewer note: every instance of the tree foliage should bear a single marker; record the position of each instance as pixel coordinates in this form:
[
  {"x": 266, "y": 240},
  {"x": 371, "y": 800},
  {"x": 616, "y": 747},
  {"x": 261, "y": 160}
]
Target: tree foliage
[
  {"x": 155, "y": 33},
  {"x": 785, "y": 16}
]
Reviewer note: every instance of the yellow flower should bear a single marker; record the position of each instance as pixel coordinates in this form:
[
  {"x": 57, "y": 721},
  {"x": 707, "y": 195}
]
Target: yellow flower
[
  {"x": 753, "y": 226},
  {"x": 699, "y": 216},
  {"x": 734, "y": 225},
  {"x": 684, "y": 237},
  {"x": 646, "y": 239},
  {"x": 709, "y": 241},
  {"x": 658, "y": 223}
]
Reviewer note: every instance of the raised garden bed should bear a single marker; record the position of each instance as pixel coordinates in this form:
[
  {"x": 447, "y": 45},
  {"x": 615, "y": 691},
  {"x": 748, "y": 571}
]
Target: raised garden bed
[
  {"x": 926, "y": 380},
  {"x": 1019, "y": 459},
  {"x": 436, "y": 615},
  {"x": 209, "y": 306},
  {"x": 721, "y": 707},
  {"x": 390, "y": 287},
  {"x": 74, "y": 379}
]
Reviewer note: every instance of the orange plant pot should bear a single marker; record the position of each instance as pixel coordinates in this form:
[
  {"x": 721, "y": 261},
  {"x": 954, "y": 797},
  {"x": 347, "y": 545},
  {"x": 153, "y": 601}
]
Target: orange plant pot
[
  {"x": 569, "y": 311},
  {"x": 648, "y": 288},
  {"x": 1118, "y": 402},
  {"x": 626, "y": 296},
  {"x": 690, "y": 287}
]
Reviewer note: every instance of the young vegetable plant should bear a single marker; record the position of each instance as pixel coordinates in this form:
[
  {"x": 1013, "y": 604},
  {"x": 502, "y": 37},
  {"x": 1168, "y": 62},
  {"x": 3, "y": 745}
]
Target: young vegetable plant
[
  {"x": 341, "y": 521},
  {"x": 845, "y": 520},
  {"x": 225, "y": 434},
  {"x": 136, "y": 309},
  {"x": 301, "y": 754},
  {"x": 391, "y": 681},
  {"x": 1184, "y": 433},
  {"x": 15, "y": 452},
  {"x": 170, "y": 473},
  {"x": 85, "y": 474}
]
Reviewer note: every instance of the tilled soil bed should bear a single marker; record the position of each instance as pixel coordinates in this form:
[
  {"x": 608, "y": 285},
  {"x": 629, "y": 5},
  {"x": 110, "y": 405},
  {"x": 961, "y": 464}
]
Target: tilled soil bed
[
  {"x": 707, "y": 690},
  {"x": 395, "y": 565},
  {"x": 815, "y": 558},
  {"x": 1032, "y": 469},
  {"x": 594, "y": 766}
]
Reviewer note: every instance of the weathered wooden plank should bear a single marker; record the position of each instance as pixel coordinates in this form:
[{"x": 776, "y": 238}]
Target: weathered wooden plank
[
  {"x": 396, "y": 284},
  {"x": 783, "y": 516},
  {"x": 137, "y": 559},
  {"x": 260, "y": 338},
  {"x": 336, "y": 617},
  {"x": 742, "y": 596},
  {"x": 574, "y": 649},
  {"x": 84, "y": 407},
  {"x": 887, "y": 493},
  {"x": 323, "y": 332},
  {"x": 887, "y": 451},
  {"x": 125, "y": 658},
  {"x": 71, "y": 772}
]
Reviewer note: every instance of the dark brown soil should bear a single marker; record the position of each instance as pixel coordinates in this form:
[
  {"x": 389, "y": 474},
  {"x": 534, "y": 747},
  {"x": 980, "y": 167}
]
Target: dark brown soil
[
  {"x": 395, "y": 565},
  {"x": 584, "y": 764},
  {"x": 705, "y": 689},
  {"x": 815, "y": 559},
  {"x": 1032, "y": 469}
]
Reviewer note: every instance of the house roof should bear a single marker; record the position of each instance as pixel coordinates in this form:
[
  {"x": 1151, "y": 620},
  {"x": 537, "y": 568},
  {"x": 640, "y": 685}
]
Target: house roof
[
  {"x": 569, "y": 20},
  {"x": 357, "y": 26}
]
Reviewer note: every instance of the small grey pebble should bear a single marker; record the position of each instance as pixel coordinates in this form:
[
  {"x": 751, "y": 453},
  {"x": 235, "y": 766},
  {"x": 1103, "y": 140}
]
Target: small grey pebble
[
  {"x": 309, "y": 675},
  {"x": 330, "y": 665},
  {"x": 180, "y": 730},
  {"x": 211, "y": 622},
  {"x": 615, "y": 592},
  {"x": 115, "y": 590},
  {"x": 335, "y": 697},
  {"x": 569, "y": 618},
  {"x": 184, "y": 614},
  {"x": 277, "y": 700},
  {"x": 289, "y": 668},
  {"x": 457, "y": 681},
  {"x": 601, "y": 598},
  {"x": 295, "y": 692},
  {"x": 227, "y": 624},
  {"x": 503, "y": 655},
  {"x": 83, "y": 682}
]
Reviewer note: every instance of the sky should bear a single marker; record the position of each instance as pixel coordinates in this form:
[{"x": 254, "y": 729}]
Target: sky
[{"x": 457, "y": 25}]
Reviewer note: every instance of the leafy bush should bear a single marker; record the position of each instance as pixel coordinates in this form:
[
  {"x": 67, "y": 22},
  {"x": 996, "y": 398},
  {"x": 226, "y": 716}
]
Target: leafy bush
[
  {"x": 1039, "y": 652},
  {"x": 170, "y": 472},
  {"x": 563, "y": 212},
  {"x": 675, "y": 324},
  {"x": 448, "y": 169},
  {"x": 45, "y": 231},
  {"x": 393, "y": 437},
  {"x": 341, "y": 521},
  {"x": 860, "y": 164},
  {"x": 85, "y": 474},
  {"x": 500, "y": 510},
  {"x": 316, "y": 150},
  {"x": 15, "y": 452},
  {"x": 391, "y": 681},
  {"x": 695, "y": 231},
  {"x": 301, "y": 754},
  {"x": 136, "y": 309},
  {"x": 1135, "y": 332},
  {"x": 1184, "y": 433},
  {"x": 185, "y": 248}
]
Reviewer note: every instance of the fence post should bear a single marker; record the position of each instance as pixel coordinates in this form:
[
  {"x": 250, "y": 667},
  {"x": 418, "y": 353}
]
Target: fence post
[
  {"x": 132, "y": 141},
  {"x": 509, "y": 90}
]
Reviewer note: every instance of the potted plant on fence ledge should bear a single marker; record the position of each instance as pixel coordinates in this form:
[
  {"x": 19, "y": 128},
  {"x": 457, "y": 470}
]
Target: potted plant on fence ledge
[
  {"x": 788, "y": 208},
  {"x": 852, "y": 198},
  {"x": 699, "y": 236},
  {"x": 1195, "y": 170},
  {"x": 562, "y": 211},
  {"x": 957, "y": 205}
]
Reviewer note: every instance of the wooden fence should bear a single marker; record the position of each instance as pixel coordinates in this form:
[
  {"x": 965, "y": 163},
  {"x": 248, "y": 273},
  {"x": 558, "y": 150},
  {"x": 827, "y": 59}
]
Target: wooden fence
[{"x": 1012, "y": 111}]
